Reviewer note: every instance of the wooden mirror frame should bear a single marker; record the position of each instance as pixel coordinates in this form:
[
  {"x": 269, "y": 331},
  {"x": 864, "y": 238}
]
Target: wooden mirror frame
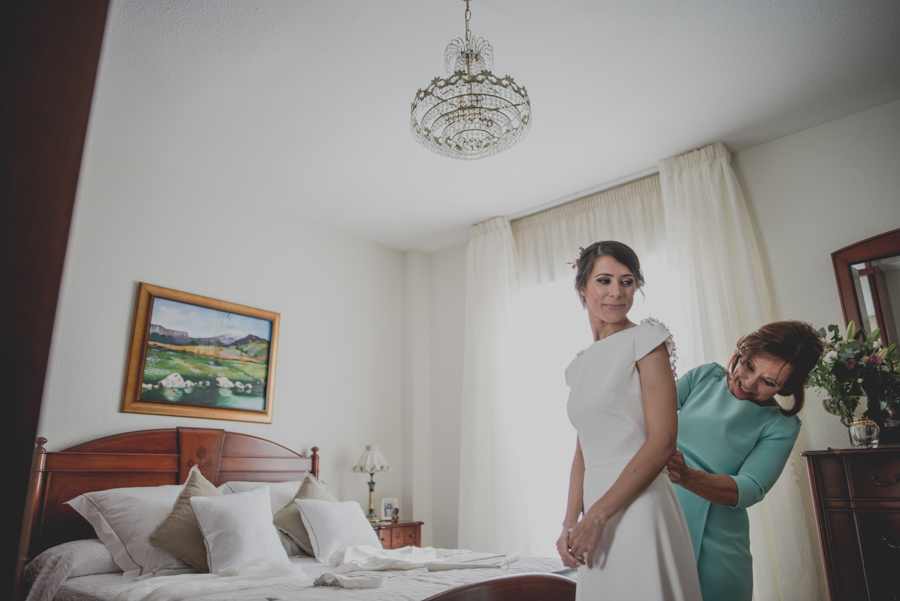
[{"x": 882, "y": 246}]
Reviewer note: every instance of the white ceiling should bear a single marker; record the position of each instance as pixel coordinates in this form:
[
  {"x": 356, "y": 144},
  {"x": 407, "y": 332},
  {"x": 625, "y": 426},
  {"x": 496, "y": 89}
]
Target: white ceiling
[{"x": 304, "y": 105}]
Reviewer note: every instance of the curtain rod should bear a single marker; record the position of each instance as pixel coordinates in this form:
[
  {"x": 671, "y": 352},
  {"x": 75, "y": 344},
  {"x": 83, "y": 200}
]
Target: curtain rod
[{"x": 584, "y": 193}]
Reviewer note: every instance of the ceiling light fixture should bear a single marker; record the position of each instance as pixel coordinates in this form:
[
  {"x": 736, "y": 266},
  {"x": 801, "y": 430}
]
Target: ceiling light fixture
[{"x": 473, "y": 113}]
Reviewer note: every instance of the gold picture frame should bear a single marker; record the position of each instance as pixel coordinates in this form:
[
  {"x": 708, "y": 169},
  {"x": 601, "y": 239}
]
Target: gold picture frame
[{"x": 203, "y": 358}]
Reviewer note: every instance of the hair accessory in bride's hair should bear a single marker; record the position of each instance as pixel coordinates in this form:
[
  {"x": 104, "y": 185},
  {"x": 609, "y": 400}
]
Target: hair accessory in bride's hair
[{"x": 577, "y": 258}]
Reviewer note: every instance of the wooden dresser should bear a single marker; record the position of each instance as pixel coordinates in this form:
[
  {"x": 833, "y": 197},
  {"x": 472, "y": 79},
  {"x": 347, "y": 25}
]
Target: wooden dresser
[
  {"x": 856, "y": 495},
  {"x": 400, "y": 534}
]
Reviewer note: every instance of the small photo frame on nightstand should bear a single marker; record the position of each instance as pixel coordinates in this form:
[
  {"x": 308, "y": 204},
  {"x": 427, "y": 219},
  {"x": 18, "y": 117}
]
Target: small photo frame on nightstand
[{"x": 388, "y": 508}]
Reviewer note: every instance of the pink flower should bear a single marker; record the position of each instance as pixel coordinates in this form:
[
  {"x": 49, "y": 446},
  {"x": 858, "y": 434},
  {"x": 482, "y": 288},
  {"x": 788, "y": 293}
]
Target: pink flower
[
  {"x": 850, "y": 363},
  {"x": 876, "y": 359}
]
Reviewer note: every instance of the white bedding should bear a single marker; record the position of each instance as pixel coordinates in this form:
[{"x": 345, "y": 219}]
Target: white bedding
[{"x": 294, "y": 582}]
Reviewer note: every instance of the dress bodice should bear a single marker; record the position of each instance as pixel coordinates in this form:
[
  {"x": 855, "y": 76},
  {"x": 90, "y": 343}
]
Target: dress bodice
[{"x": 605, "y": 404}]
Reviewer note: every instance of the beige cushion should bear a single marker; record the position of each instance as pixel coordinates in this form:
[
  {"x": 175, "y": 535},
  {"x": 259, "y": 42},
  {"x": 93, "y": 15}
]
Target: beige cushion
[
  {"x": 179, "y": 534},
  {"x": 288, "y": 519}
]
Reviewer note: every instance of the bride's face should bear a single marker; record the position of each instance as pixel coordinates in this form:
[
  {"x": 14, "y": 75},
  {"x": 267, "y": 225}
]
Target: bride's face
[{"x": 609, "y": 293}]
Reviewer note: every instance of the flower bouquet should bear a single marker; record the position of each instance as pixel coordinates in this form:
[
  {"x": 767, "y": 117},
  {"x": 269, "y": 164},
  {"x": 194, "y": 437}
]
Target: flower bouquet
[{"x": 853, "y": 365}]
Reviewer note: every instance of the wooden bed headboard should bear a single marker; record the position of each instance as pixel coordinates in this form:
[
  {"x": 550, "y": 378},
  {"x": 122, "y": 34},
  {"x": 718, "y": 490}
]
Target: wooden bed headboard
[{"x": 142, "y": 458}]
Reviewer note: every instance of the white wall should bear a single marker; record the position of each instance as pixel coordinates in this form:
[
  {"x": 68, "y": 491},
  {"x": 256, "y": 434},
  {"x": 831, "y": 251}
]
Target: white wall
[
  {"x": 448, "y": 271},
  {"x": 339, "y": 365}
]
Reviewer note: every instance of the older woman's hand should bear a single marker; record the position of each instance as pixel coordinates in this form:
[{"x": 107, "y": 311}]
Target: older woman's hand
[
  {"x": 563, "y": 547},
  {"x": 677, "y": 468}
]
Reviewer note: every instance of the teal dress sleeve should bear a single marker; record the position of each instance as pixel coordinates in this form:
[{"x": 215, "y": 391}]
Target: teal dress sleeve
[{"x": 766, "y": 460}]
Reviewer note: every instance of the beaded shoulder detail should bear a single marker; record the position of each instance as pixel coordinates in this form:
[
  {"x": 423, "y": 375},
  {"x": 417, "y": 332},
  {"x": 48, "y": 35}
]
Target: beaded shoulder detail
[{"x": 673, "y": 354}]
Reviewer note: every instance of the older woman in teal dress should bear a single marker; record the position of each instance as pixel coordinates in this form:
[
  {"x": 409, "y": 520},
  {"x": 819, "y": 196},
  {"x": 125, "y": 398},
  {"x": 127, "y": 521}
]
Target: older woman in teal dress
[{"x": 733, "y": 442}]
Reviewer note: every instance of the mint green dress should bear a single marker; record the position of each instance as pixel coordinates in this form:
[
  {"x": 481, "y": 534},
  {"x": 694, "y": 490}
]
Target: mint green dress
[{"x": 720, "y": 434}]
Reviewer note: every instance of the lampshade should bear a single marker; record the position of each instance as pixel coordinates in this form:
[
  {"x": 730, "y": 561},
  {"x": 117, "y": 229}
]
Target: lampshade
[{"x": 371, "y": 461}]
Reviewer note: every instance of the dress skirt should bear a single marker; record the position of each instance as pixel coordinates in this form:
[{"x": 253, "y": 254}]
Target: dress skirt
[{"x": 645, "y": 552}]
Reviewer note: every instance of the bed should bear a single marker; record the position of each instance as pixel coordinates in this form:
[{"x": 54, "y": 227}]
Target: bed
[{"x": 161, "y": 460}]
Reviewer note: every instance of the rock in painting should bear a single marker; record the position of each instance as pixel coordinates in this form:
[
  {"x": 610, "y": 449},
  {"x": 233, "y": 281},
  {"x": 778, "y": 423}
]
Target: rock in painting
[{"x": 172, "y": 381}]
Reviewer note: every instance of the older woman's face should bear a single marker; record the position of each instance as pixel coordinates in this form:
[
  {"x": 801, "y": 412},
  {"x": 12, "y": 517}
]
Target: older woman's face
[
  {"x": 759, "y": 378},
  {"x": 609, "y": 292}
]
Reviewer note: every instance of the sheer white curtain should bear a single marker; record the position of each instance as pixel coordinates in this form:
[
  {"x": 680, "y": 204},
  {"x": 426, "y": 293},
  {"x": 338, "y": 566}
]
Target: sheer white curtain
[
  {"x": 717, "y": 268},
  {"x": 490, "y": 489}
]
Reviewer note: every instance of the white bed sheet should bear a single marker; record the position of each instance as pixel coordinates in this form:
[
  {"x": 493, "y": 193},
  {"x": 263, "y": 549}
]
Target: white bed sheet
[{"x": 406, "y": 585}]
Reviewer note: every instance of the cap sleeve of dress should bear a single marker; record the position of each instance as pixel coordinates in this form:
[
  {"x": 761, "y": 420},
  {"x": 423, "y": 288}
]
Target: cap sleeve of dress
[{"x": 649, "y": 335}]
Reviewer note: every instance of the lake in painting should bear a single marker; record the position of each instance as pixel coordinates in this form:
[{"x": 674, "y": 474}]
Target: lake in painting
[{"x": 205, "y": 357}]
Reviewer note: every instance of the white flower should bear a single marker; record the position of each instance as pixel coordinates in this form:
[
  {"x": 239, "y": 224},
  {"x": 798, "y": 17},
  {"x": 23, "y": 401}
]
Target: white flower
[{"x": 830, "y": 356}]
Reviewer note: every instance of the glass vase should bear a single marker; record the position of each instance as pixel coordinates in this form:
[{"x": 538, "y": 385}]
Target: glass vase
[{"x": 864, "y": 433}]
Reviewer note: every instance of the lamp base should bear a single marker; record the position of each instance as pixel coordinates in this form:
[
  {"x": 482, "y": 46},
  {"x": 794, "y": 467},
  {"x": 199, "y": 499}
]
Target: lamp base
[{"x": 373, "y": 518}]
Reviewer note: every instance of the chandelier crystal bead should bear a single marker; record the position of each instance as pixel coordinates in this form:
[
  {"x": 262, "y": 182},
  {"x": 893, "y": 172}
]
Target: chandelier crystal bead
[{"x": 472, "y": 113}]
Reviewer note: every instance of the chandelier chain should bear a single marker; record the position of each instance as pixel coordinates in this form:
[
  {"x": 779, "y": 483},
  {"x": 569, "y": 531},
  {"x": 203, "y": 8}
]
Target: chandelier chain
[{"x": 468, "y": 40}]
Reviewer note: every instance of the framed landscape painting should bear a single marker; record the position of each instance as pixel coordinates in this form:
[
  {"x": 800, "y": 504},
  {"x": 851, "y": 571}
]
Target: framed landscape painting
[{"x": 193, "y": 356}]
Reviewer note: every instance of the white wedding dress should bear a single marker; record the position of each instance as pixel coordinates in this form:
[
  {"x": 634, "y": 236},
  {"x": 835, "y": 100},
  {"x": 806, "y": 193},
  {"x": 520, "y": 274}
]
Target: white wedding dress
[{"x": 645, "y": 553}]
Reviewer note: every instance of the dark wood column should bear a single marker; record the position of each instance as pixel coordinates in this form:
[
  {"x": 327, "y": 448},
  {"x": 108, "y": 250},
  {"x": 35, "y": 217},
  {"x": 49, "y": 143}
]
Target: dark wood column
[{"x": 50, "y": 50}]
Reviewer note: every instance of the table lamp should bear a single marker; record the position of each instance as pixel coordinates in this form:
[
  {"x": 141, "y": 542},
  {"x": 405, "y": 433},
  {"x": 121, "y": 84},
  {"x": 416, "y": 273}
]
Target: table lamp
[{"x": 371, "y": 461}]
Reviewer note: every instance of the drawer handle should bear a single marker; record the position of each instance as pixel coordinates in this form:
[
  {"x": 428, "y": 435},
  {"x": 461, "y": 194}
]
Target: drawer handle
[
  {"x": 888, "y": 543},
  {"x": 874, "y": 479}
]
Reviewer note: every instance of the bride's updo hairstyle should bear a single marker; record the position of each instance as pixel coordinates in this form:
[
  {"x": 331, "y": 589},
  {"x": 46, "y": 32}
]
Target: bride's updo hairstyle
[
  {"x": 794, "y": 342},
  {"x": 605, "y": 248}
]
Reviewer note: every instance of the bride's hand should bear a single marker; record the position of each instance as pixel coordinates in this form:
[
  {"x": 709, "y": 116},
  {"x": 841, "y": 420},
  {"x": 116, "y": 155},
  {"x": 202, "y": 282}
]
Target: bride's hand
[
  {"x": 584, "y": 538},
  {"x": 562, "y": 546}
]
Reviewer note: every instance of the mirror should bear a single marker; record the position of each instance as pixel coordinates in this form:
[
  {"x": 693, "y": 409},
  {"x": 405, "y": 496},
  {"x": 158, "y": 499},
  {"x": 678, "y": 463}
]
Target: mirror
[{"x": 868, "y": 279}]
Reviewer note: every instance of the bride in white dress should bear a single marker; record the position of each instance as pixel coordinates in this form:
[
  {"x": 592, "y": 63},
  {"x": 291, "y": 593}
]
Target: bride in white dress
[{"x": 624, "y": 529}]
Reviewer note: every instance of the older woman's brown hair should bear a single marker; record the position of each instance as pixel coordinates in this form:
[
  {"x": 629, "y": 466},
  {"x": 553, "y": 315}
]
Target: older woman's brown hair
[{"x": 794, "y": 342}]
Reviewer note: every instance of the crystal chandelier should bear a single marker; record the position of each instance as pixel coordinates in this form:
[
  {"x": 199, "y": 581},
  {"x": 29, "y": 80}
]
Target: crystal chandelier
[{"x": 473, "y": 113}]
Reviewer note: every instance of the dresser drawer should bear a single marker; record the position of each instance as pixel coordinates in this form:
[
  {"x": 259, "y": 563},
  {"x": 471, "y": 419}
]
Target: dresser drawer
[
  {"x": 874, "y": 477},
  {"x": 385, "y": 537},
  {"x": 879, "y": 536},
  {"x": 406, "y": 536}
]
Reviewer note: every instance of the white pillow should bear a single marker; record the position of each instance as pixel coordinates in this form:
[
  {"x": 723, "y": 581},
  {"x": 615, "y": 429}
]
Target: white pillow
[
  {"x": 280, "y": 493},
  {"x": 238, "y": 528},
  {"x": 333, "y": 526},
  {"x": 123, "y": 519}
]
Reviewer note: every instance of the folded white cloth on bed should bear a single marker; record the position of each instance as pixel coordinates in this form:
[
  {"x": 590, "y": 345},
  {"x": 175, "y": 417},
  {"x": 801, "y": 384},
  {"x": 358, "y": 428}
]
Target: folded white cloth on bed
[{"x": 362, "y": 558}]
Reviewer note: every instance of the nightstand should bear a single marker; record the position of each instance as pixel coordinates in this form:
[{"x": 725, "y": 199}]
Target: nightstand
[{"x": 400, "y": 534}]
